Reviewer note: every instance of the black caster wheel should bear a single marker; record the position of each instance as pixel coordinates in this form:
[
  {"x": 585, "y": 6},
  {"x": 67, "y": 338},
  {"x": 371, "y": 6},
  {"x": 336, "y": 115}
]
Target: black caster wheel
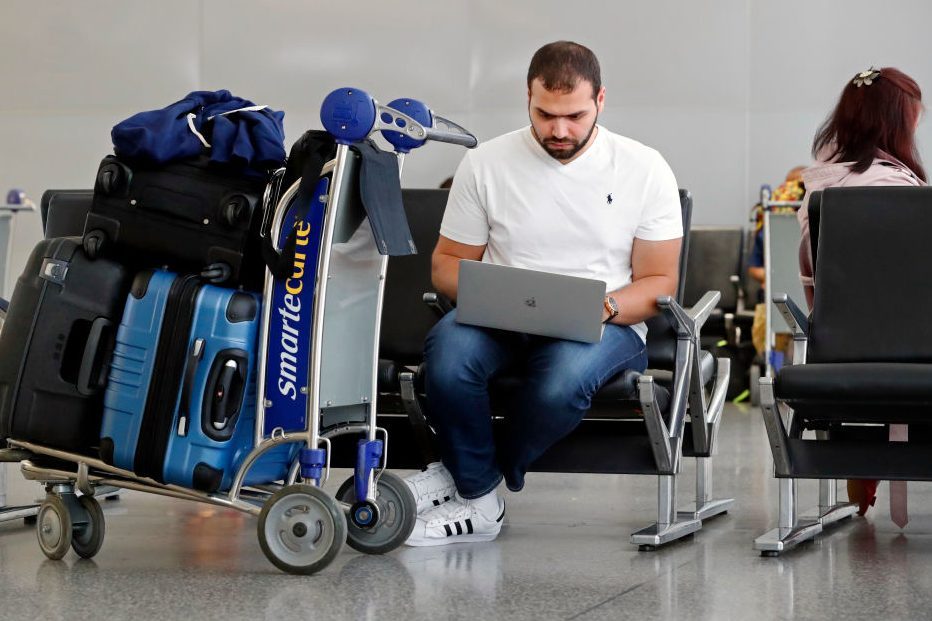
[
  {"x": 647, "y": 547},
  {"x": 396, "y": 514},
  {"x": 769, "y": 553},
  {"x": 87, "y": 538},
  {"x": 301, "y": 529},
  {"x": 94, "y": 243},
  {"x": 53, "y": 527}
]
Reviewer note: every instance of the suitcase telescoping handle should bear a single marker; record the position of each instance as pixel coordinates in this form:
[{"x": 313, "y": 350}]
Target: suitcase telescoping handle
[
  {"x": 187, "y": 390},
  {"x": 92, "y": 373}
]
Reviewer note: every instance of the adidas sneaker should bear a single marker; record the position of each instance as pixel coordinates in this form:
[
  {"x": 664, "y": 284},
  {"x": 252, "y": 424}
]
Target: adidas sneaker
[{"x": 457, "y": 521}]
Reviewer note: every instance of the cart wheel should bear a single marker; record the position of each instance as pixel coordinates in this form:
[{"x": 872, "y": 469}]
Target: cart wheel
[
  {"x": 53, "y": 527},
  {"x": 301, "y": 529},
  {"x": 86, "y": 539},
  {"x": 397, "y": 514}
]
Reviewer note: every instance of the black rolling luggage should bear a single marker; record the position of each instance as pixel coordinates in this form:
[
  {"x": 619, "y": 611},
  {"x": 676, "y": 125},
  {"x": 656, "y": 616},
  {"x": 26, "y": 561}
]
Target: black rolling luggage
[
  {"x": 56, "y": 344},
  {"x": 187, "y": 215}
]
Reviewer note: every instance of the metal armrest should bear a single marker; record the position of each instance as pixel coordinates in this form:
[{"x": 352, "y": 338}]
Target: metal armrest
[
  {"x": 689, "y": 393},
  {"x": 798, "y": 323},
  {"x": 667, "y": 440},
  {"x": 793, "y": 315},
  {"x": 688, "y": 322},
  {"x": 440, "y": 303}
]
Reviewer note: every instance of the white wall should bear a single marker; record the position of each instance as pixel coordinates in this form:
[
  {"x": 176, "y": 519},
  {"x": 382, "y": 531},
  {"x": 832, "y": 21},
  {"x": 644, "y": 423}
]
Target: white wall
[{"x": 730, "y": 91}]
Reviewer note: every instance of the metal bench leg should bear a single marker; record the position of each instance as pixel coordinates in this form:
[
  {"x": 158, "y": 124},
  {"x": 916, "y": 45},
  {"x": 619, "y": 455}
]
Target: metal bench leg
[
  {"x": 830, "y": 510},
  {"x": 670, "y": 525},
  {"x": 706, "y": 507},
  {"x": 792, "y": 530}
]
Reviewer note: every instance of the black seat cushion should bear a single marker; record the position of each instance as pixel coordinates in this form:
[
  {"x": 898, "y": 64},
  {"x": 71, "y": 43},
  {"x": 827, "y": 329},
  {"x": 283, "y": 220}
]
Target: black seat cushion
[
  {"x": 620, "y": 393},
  {"x": 620, "y": 389},
  {"x": 867, "y": 383}
]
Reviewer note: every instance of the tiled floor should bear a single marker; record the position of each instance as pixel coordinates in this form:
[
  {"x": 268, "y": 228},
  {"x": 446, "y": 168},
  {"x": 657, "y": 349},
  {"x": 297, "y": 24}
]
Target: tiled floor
[{"x": 563, "y": 554}]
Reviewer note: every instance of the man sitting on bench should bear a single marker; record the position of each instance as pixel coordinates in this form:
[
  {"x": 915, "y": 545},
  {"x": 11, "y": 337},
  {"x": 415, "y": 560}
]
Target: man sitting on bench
[{"x": 563, "y": 195}]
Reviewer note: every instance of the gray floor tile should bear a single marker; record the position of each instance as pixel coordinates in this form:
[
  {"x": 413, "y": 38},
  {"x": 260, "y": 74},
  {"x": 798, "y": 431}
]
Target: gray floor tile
[{"x": 563, "y": 554}]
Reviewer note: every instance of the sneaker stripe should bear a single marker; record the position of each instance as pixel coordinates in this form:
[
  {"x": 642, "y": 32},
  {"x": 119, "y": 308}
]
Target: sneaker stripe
[
  {"x": 459, "y": 528},
  {"x": 446, "y": 527},
  {"x": 501, "y": 517},
  {"x": 468, "y": 526}
]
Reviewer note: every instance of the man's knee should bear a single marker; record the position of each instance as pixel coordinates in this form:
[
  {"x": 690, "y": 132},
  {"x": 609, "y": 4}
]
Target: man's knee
[
  {"x": 569, "y": 394},
  {"x": 453, "y": 356}
]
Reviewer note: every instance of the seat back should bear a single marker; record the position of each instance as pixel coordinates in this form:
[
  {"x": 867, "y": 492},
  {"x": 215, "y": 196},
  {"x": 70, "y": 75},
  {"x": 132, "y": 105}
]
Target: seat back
[
  {"x": 661, "y": 338},
  {"x": 406, "y": 320},
  {"x": 686, "y": 211},
  {"x": 715, "y": 255},
  {"x": 872, "y": 256},
  {"x": 64, "y": 212}
]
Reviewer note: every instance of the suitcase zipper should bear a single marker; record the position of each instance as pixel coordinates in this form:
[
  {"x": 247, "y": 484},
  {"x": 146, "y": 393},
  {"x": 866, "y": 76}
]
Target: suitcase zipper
[{"x": 167, "y": 374}]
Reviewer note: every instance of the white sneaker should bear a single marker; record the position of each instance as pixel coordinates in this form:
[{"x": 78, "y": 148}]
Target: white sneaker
[
  {"x": 432, "y": 487},
  {"x": 456, "y": 521}
]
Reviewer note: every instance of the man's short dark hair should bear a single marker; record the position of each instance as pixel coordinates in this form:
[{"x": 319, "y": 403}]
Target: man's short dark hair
[{"x": 562, "y": 64}]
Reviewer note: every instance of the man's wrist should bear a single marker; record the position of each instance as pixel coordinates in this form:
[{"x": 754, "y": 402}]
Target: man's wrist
[{"x": 610, "y": 308}]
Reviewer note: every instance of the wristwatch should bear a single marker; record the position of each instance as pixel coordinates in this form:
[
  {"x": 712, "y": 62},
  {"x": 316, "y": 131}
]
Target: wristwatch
[{"x": 611, "y": 306}]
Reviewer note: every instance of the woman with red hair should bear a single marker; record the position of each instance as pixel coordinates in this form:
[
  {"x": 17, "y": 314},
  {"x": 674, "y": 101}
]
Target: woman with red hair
[{"x": 868, "y": 140}]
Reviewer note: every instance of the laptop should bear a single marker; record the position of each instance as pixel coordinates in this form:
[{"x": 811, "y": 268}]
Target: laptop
[{"x": 530, "y": 301}]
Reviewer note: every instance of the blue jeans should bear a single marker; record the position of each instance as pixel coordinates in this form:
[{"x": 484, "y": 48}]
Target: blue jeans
[{"x": 560, "y": 379}]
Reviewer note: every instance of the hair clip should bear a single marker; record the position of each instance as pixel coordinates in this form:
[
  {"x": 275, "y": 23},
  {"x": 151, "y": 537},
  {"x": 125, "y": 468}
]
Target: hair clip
[{"x": 866, "y": 78}]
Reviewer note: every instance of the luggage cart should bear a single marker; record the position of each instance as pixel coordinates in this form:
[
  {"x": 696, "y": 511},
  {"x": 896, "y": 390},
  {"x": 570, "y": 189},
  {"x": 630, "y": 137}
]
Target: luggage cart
[
  {"x": 781, "y": 264},
  {"x": 326, "y": 384},
  {"x": 16, "y": 202}
]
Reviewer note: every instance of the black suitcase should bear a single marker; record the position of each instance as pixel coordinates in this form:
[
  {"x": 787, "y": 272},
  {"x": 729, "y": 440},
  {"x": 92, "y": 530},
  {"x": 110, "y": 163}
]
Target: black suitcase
[
  {"x": 55, "y": 346},
  {"x": 187, "y": 215}
]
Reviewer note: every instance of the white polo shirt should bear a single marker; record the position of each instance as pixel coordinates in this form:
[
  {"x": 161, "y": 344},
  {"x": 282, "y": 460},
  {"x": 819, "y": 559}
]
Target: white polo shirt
[{"x": 578, "y": 219}]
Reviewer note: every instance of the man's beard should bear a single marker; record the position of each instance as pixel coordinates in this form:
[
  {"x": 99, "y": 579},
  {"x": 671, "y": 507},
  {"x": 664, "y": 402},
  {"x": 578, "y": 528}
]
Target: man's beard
[{"x": 564, "y": 153}]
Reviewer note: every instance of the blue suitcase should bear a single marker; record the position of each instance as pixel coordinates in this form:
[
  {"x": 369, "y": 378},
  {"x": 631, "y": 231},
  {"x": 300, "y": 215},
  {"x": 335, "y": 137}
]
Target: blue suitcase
[{"x": 181, "y": 398}]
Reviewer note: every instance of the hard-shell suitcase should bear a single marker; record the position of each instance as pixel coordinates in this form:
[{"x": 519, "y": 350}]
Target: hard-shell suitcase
[
  {"x": 180, "y": 404},
  {"x": 187, "y": 215},
  {"x": 55, "y": 346}
]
